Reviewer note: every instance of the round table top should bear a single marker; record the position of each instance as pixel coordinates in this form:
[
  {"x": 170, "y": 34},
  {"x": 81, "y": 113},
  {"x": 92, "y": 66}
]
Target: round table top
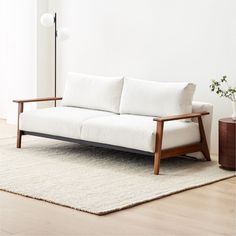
[{"x": 228, "y": 120}]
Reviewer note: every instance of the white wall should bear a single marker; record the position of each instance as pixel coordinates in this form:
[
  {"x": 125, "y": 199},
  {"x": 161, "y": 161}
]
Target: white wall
[
  {"x": 171, "y": 40},
  {"x": 18, "y": 54},
  {"x": 45, "y": 56},
  {"x": 26, "y": 58}
]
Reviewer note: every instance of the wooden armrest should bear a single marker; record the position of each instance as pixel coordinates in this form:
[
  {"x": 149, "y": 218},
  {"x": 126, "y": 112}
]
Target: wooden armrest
[
  {"x": 180, "y": 117},
  {"x": 38, "y": 99}
]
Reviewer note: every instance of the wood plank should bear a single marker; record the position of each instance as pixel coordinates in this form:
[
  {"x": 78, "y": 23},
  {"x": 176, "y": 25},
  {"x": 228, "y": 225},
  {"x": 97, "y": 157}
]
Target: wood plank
[
  {"x": 38, "y": 99},
  {"x": 180, "y": 117},
  {"x": 180, "y": 150}
]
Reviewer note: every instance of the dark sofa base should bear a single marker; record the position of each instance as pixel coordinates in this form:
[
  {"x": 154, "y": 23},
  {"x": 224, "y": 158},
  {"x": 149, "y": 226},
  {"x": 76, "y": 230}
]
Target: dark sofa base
[{"x": 119, "y": 148}]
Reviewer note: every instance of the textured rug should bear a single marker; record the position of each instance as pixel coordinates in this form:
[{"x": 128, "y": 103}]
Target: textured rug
[{"x": 95, "y": 180}]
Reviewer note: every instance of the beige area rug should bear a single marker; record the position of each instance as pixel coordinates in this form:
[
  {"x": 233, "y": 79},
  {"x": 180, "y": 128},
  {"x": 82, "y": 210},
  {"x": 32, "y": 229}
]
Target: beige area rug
[{"x": 95, "y": 180}]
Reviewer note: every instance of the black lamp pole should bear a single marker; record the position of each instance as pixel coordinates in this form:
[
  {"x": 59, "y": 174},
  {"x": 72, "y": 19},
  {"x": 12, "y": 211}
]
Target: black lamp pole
[{"x": 55, "y": 60}]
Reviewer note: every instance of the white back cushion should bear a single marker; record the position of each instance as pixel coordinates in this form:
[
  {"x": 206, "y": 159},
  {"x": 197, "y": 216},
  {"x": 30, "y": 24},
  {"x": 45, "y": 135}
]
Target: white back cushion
[
  {"x": 94, "y": 92},
  {"x": 152, "y": 98}
]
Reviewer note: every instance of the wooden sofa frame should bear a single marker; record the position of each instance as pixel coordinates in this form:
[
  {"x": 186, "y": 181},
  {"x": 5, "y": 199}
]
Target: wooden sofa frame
[{"x": 159, "y": 153}]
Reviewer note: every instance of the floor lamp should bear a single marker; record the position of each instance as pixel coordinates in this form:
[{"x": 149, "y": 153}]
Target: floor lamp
[{"x": 48, "y": 20}]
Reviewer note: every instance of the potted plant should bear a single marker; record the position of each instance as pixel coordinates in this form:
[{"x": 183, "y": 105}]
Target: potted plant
[{"x": 223, "y": 89}]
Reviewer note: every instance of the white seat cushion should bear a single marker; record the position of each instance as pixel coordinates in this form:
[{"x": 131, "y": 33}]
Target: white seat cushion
[
  {"x": 93, "y": 92},
  {"x": 59, "y": 121},
  {"x": 150, "y": 98},
  {"x": 138, "y": 132}
]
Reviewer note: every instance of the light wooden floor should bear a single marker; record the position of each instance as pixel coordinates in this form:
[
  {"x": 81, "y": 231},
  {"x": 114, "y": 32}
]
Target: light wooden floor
[{"x": 209, "y": 210}]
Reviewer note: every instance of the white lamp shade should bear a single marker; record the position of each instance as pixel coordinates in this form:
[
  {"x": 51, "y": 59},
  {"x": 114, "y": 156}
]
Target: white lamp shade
[
  {"x": 63, "y": 34},
  {"x": 47, "y": 20}
]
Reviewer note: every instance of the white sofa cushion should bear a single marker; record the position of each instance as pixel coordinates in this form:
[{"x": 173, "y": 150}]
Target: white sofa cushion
[
  {"x": 138, "y": 132},
  {"x": 152, "y": 98},
  {"x": 59, "y": 121},
  {"x": 94, "y": 92}
]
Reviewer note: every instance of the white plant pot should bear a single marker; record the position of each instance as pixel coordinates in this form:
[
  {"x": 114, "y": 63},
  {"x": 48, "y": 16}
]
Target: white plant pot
[{"x": 234, "y": 110}]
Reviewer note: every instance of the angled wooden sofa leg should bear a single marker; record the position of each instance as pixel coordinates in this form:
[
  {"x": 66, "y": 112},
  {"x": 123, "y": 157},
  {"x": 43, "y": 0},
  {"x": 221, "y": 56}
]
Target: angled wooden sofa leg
[
  {"x": 204, "y": 148},
  {"x": 159, "y": 137},
  {"x": 19, "y": 132}
]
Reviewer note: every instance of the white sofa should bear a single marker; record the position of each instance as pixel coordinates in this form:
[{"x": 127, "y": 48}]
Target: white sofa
[{"x": 124, "y": 113}]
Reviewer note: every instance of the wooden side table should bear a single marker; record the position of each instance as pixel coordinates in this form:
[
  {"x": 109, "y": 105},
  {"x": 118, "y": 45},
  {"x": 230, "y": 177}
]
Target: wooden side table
[{"x": 227, "y": 143}]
